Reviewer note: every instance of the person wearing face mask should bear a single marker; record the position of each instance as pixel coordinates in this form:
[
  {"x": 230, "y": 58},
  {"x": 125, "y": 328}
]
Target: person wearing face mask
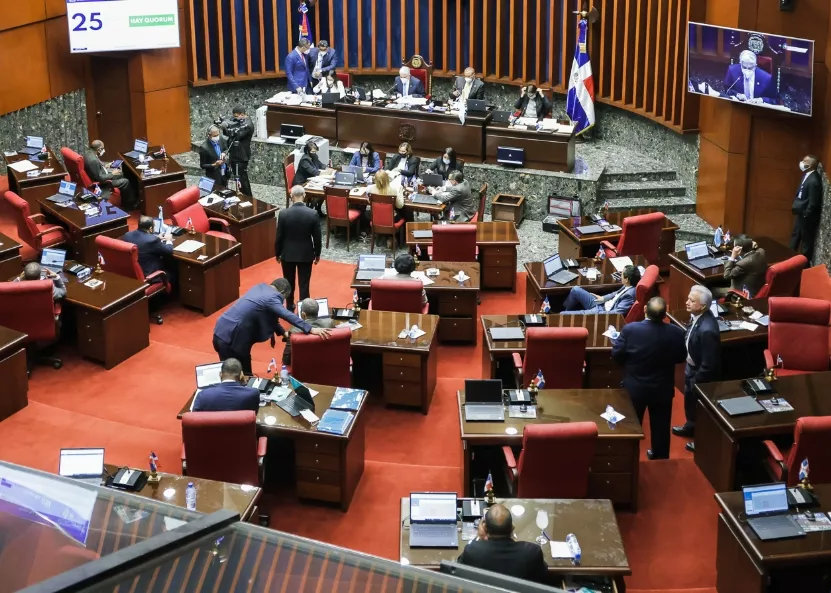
[
  {"x": 469, "y": 87},
  {"x": 299, "y": 69},
  {"x": 99, "y": 173},
  {"x": 323, "y": 60},
  {"x": 456, "y": 195},
  {"x": 367, "y": 159},
  {"x": 213, "y": 157},
  {"x": 309, "y": 164},
  {"x": 231, "y": 394},
  {"x": 330, "y": 84},
  {"x": 532, "y": 104},
  {"x": 445, "y": 164},
  {"x": 407, "y": 85},
  {"x": 404, "y": 164},
  {"x": 748, "y": 83},
  {"x": 807, "y": 208}
]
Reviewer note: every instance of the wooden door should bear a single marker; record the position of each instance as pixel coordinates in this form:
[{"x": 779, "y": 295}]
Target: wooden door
[{"x": 108, "y": 104}]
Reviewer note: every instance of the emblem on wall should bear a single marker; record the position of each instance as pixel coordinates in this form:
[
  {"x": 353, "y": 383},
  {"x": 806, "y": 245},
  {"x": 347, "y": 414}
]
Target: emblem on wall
[{"x": 406, "y": 133}]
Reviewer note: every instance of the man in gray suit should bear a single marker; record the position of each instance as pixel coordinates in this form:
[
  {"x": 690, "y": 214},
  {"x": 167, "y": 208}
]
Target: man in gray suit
[
  {"x": 309, "y": 310},
  {"x": 457, "y": 197},
  {"x": 469, "y": 87},
  {"x": 582, "y": 302},
  {"x": 100, "y": 174}
]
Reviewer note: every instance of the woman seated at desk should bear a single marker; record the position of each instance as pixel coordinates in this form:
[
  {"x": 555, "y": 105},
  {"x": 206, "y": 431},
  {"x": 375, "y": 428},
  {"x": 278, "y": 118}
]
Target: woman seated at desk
[
  {"x": 445, "y": 164},
  {"x": 309, "y": 164},
  {"x": 404, "y": 164},
  {"x": 382, "y": 187},
  {"x": 330, "y": 84},
  {"x": 367, "y": 159}
]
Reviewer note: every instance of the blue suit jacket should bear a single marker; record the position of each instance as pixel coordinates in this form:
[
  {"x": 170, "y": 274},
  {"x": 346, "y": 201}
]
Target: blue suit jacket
[
  {"x": 416, "y": 88},
  {"x": 763, "y": 87},
  {"x": 152, "y": 251},
  {"x": 649, "y": 351},
  {"x": 373, "y": 162},
  {"x": 298, "y": 72},
  {"x": 623, "y": 304},
  {"x": 329, "y": 60},
  {"x": 227, "y": 397}
]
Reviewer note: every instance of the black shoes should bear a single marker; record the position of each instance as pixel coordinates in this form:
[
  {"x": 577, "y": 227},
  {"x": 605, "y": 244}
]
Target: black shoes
[
  {"x": 650, "y": 454},
  {"x": 690, "y": 447},
  {"x": 683, "y": 431}
]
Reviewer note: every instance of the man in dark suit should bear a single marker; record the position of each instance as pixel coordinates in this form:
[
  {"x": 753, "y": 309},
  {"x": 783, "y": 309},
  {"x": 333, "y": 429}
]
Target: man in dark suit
[
  {"x": 298, "y": 243},
  {"x": 407, "y": 85},
  {"x": 255, "y": 317},
  {"x": 750, "y": 84},
  {"x": 703, "y": 355},
  {"x": 298, "y": 69},
  {"x": 322, "y": 59},
  {"x": 746, "y": 267},
  {"x": 495, "y": 550},
  {"x": 532, "y": 103},
  {"x": 240, "y": 131},
  {"x": 213, "y": 157},
  {"x": 101, "y": 175},
  {"x": 469, "y": 87},
  {"x": 154, "y": 253},
  {"x": 581, "y": 302},
  {"x": 649, "y": 351},
  {"x": 231, "y": 395},
  {"x": 807, "y": 208}
]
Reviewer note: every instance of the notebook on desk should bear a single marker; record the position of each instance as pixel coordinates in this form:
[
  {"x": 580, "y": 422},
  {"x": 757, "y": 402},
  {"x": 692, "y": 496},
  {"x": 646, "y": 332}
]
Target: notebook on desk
[
  {"x": 424, "y": 199},
  {"x": 589, "y": 229},
  {"x": 66, "y": 193},
  {"x": 698, "y": 255},
  {"x": 34, "y": 144},
  {"x": 483, "y": 400},
  {"x": 433, "y": 520},
  {"x": 514, "y": 334},
  {"x": 139, "y": 149},
  {"x": 739, "y": 406},
  {"x": 422, "y": 234}
]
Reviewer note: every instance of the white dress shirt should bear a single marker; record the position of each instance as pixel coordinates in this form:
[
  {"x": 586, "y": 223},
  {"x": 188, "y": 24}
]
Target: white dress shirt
[{"x": 749, "y": 85}]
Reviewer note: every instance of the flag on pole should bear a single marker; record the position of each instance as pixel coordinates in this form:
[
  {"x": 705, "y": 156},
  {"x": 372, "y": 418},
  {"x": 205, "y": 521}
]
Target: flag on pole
[
  {"x": 803, "y": 470},
  {"x": 462, "y": 111},
  {"x": 355, "y": 296},
  {"x": 546, "y": 306},
  {"x": 580, "y": 103},
  {"x": 601, "y": 253},
  {"x": 305, "y": 29},
  {"x": 96, "y": 189},
  {"x": 539, "y": 380},
  {"x": 101, "y": 259},
  {"x": 489, "y": 483},
  {"x": 154, "y": 462},
  {"x": 272, "y": 366}
]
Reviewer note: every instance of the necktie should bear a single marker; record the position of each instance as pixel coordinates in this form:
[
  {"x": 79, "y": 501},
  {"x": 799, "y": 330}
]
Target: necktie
[{"x": 748, "y": 91}]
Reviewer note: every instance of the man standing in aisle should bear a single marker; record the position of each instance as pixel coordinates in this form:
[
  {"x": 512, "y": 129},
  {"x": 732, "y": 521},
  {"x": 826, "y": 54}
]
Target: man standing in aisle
[
  {"x": 239, "y": 131},
  {"x": 807, "y": 208},
  {"x": 298, "y": 244}
]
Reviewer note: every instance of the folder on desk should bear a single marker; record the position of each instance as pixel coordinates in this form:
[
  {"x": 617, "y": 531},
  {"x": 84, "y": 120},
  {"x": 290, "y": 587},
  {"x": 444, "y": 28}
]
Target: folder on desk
[
  {"x": 347, "y": 399},
  {"x": 335, "y": 421},
  {"x": 739, "y": 406}
]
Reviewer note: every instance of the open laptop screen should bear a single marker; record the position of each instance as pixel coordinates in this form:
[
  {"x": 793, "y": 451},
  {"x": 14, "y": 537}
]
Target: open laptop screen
[
  {"x": 764, "y": 499},
  {"x": 433, "y": 507},
  {"x": 66, "y": 188},
  {"x": 140, "y": 146},
  {"x": 53, "y": 259},
  {"x": 483, "y": 390},
  {"x": 206, "y": 185},
  {"x": 552, "y": 265},
  {"x": 34, "y": 141},
  {"x": 208, "y": 374},
  {"x": 372, "y": 262},
  {"x": 696, "y": 250},
  {"x": 322, "y": 307},
  {"x": 81, "y": 463}
]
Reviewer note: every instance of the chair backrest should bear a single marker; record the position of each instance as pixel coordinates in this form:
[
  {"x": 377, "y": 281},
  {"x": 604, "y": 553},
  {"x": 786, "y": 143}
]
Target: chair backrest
[
  {"x": 196, "y": 214},
  {"x": 345, "y": 78},
  {"x": 454, "y": 242},
  {"x": 644, "y": 291},
  {"x": 783, "y": 279},
  {"x": 812, "y": 441},
  {"x": 27, "y": 230},
  {"x": 403, "y": 296},
  {"x": 322, "y": 361},
  {"x": 815, "y": 283},
  {"x": 559, "y": 352},
  {"x": 555, "y": 460},
  {"x": 765, "y": 63},
  {"x": 221, "y": 446},
  {"x": 288, "y": 172},
  {"x": 423, "y": 70},
  {"x": 641, "y": 235},
  {"x": 483, "y": 202},
  {"x": 798, "y": 332},
  {"x": 382, "y": 156},
  {"x": 120, "y": 257},
  {"x": 382, "y": 212},
  {"x": 181, "y": 200},
  {"x": 75, "y": 166},
  {"x": 27, "y": 306},
  {"x": 337, "y": 202}
]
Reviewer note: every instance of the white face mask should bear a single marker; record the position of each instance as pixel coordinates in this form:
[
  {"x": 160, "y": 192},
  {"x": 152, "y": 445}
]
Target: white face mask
[
  {"x": 445, "y": 160},
  {"x": 101, "y": 152},
  {"x": 215, "y": 139},
  {"x": 405, "y": 78},
  {"x": 468, "y": 79},
  {"x": 803, "y": 166},
  {"x": 748, "y": 72}
]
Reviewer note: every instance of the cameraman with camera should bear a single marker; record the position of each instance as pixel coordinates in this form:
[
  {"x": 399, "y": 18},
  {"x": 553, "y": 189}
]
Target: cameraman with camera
[{"x": 239, "y": 130}]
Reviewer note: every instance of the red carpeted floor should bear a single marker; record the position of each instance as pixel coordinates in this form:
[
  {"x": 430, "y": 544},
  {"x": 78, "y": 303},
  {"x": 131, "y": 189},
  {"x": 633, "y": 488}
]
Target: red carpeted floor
[{"x": 132, "y": 409}]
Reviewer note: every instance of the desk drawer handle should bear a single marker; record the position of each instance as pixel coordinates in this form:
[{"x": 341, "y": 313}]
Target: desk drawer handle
[
  {"x": 455, "y": 297},
  {"x": 317, "y": 479},
  {"x": 608, "y": 465},
  {"x": 316, "y": 445},
  {"x": 317, "y": 461}
]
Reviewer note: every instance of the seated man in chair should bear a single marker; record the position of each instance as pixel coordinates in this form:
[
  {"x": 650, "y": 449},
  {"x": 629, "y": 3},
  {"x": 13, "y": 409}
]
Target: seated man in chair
[
  {"x": 230, "y": 395},
  {"x": 582, "y": 302},
  {"x": 154, "y": 253},
  {"x": 309, "y": 310}
]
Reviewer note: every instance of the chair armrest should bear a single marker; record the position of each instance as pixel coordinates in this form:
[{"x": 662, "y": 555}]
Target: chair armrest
[
  {"x": 768, "y": 359},
  {"x": 36, "y": 217},
  {"x": 517, "y": 357},
  {"x": 262, "y": 445},
  {"x": 219, "y": 221},
  {"x": 184, "y": 462},
  {"x": 510, "y": 460},
  {"x": 608, "y": 245},
  {"x": 774, "y": 452},
  {"x": 511, "y": 474},
  {"x": 157, "y": 274},
  {"x": 48, "y": 231}
]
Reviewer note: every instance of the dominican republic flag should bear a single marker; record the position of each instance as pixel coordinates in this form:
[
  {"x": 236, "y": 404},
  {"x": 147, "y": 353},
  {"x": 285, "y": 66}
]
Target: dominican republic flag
[
  {"x": 305, "y": 29},
  {"x": 355, "y": 296},
  {"x": 803, "y": 470},
  {"x": 601, "y": 253},
  {"x": 154, "y": 462},
  {"x": 546, "y": 306},
  {"x": 580, "y": 105},
  {"x": 539, "y": 380},
  {"x": 489, "y": 483},
  {"x": 272, "y": 366},
  {"x": 101, "y": 259}
]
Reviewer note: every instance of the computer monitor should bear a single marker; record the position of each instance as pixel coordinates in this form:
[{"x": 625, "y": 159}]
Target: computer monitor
[
  {"x": 81, "y": 463},
  {"x": 476, "y": 106},
  {"x": 208, "y": 374},
  {"x": 696, "y": 250},
  {"x": 765, "y": 499},
  {"x": 329, "y": 98},
  {"x": 292, "y": 131},
  {"x": 140, "y": 146},
  {"x": 206, "y": 186},
  {"x": 552, "y": 265}
]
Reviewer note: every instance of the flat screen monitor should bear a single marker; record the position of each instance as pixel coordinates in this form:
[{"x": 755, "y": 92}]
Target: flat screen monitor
[
  {"x": 759, "y": 69},
  {"x": 126, "y": 25}
]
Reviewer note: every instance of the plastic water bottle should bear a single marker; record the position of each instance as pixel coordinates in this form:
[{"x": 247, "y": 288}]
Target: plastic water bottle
[
  {"x": 284, "y": 376},
  {"x": 610, "y": 411},
  {"x": 574, "y": 546},
  {"x": 431, "y": 106},
  {"x": 190, "y": 497}
]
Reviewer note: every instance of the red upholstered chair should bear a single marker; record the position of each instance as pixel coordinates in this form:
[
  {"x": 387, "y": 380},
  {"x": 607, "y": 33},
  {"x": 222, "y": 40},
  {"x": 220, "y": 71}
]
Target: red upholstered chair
[
  {"x": 403, "y": 296},
  {"x": 76, "y": 168},
  {"x": 815, "y": 283},
  {"x": 28, "y": 307},
  {"x": 307, "y": 352},
  {"x": 559, "y": 352},
  {"x": 798, "y": 333},
  {"x": 345, "y": 78},
  {"x": 121, "y": 257},
  {"x": 641, "y": 235},
  {"x": 201, "y": 222},
  {"x": 423, "y": 70},
  {"x": 554, "y": 462},
  {"x": 223, "y": 446},
  {"x": 382, "y": 219},
  {"x": 483, "y": 198},
  {"x": 182, "y": 199},
  {"x": 812, "y": 441},
  {"x": 338, "y": 212},
  {"x": 288, "y": 175},
  {"x": 765, "y": 63},
  {"x": 783, "y": 279},
  {"x": 645, "y": 290},
  {"x": 454, "y": 242},
  {"x": 32, "y": 228}
]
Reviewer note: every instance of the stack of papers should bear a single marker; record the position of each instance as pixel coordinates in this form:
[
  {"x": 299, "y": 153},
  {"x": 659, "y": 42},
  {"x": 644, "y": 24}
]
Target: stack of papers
[
  {"x": 613, "y": 416},
  {"x": 347, "y": 399},
  {"x": 22, "y": 166},
  {"x": 611, "y": 333},
  {"x": 189, "y": 246},
  {"x": 621, "y": 262},
  {"x": 590, "y": 273},
  {"x": 560, "y": 550},
  {"x": 335, "y": 421},
  {"x": 419, "y": 275}
]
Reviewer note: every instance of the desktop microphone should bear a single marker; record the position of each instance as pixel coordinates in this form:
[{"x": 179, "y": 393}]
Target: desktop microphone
[{"x": 732, "y": 85}]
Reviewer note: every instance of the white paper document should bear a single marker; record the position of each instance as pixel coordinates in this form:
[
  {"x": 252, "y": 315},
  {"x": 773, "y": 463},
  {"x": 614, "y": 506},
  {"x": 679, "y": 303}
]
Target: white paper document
[
  {"x": 22, "y": 166},
  {"x": 560, "y": 550},
  {"x": 189, "y": 246},
  {"x": 621, "y": 262},
  {"x": 751, "y": 327},
  {"x": 461, "y": 277},
  {"x": 419, "y": 275},
  {"x": 612, "y": 417},
  {"x": 350, "y": 325},
  {"x": 611, "y": 333},
  {"x": 309, "y": 416}
]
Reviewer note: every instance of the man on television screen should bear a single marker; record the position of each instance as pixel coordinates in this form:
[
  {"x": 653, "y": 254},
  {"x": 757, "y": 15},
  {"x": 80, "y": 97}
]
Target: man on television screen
[{"x": 748, "y": 83}]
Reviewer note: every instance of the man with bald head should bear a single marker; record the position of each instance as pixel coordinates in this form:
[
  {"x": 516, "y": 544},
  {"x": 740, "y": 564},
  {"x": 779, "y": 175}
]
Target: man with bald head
[
  {"x": 748, "y": 83},
  {"x": 494, "y": 549},
  {"x": 468, "y": 86}
]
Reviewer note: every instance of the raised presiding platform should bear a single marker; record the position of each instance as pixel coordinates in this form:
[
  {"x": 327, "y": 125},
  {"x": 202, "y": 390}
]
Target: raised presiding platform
[
  {"x": 152, "y": 190},
  {"x": 208, "y": 273}
]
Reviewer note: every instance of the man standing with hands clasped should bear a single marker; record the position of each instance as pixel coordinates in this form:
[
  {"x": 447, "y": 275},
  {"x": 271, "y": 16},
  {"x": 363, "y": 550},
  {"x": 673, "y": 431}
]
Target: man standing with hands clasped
[
  {"x": 298, "y": 244},
  {"x": 807, "y": 208}
]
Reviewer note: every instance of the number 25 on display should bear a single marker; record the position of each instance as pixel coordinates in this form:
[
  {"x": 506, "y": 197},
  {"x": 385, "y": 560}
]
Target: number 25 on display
[{"x": 95, "y": 23}]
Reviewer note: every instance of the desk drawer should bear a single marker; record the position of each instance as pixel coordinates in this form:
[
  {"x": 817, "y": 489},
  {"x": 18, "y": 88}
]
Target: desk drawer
[
  {"x": 611, "y": 464},
  {"x": 191, "y": 275},
  {"x": 499, "y": 261},
  {"x": 615, "y": 487},
  {"x": 317, "y": 446},
  {"x": 405, "y": 394},
  {"x": 497, "y": 251},
  {"x": 498, "y": 277},
  {"x": 457, "y": 305},
  {"x": 402, "y": 374},
  {"x": 314, "y": 461},
  {"x": 318, "y": 485},
  {"x": 457, "y": 329},
  {"x": 607, "y": 446},
  {"x": 402, "y": 360}
]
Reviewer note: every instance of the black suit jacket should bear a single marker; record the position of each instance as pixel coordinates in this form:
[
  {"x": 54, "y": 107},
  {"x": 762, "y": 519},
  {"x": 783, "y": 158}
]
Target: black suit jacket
[
  {"x": 308, "y": 166},
  {"x": 298, "y": 234},
  {"x": 649, "y": 351},
  {"x": 227, "y": 397},
  {"x": 522, "y": 560},
  {"x": 412, "y": 165},
  {"x": 439, "y": 168},
  {"x": 704, "y": 347},
  {"x": 95, "y": 168},
  {"x": 207, "y": 158},
  {"x": 809, "y": 206},
  {"x": 543, "y": 105},
  {"x": 242, "y": 151},
  {"x": 152, "y": 251}
]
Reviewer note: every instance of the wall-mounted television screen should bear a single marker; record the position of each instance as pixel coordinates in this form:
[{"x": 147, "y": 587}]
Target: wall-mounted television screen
[
  {"x": 759, "y": 69},
  {"x": 121, "y": 25}
]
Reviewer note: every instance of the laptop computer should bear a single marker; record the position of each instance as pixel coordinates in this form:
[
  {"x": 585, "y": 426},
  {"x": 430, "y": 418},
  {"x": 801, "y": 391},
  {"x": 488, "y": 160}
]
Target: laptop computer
[
  {"x": 424, "y": 199},
  {"x": 556, "y": 271},
  {"x": 322, "y": 307},
  {"x": 301, "y": 399},
  {"x": 483, "y": 400},
  {"x": 432, "y": 180},
  {"x": 208, "y": 374},
  {"x": 477, "y": 106},
  {"x": 371, "y": 266},
  {"x": 34, "y": 144},
  {"x": 52, "y": 260},
  {"x": 589, "y": 229},
  {"x": 344, "y": 179},
  {"x": 766, "y": 508},
  {"x": 329, "y": 99},
  {"x": 206, "y": 186},
  {"x": 358, "y": 171},
  {"x": 699, "y": 256},
  {"x": 85, "y": 465},
  {"x": 513, "y": 334},
  {"x": 739, "y": 406},
  {"x": 139, "y": 149},
  {"x": 66, "y": 193},
  {"x": 433, "y": 520},
  {"x": 502, "y": 117}
]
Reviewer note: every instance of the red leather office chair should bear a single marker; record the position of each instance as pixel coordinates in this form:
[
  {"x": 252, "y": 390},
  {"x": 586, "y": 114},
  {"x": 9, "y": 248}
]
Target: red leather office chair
[
  {"x": 201, "y": 222},
  {"x": 798, "y": 333},
  {"x": 423, "y": 70},
  {"x": 382, "y": 156},
  {"x": 765, "y": 63},
  {"x": 308, "y": 351},
  {"x": 182, "y": 199},
  {"x": 781, "y": 279},
  {"x": 382, "y": 219},
  {"x": 288, "y": 175},
  {"x": 641, "y": 235},
  {"x": 345, "y": 78},
  {"x": 483, "y": 197},
  {"x": 32, "y": 228},
  {"x": 812, "y": 441},
  {"x": 338, "y": 212},
  {"x": 554, "y": 462},
  {"x": 453, "y": 242},
  {"x": 4, "y": 184},
  {"x": 403, "y": 296},
  {"x": 28, "y": 307},
  {"x": 645, "y": 290},
  {"x": 559, "y": 352},
  {"x": 76, "y": 168},
  {"x": 121, "y": 257}
]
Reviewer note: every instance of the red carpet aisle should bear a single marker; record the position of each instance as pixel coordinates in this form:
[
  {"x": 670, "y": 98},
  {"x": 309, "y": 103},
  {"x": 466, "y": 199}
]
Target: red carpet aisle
[{"x": 132, "y": 409}]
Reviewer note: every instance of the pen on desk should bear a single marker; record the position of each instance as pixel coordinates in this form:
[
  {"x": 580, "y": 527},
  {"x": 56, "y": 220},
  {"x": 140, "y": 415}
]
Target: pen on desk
[{"x": 546, "y": 535}]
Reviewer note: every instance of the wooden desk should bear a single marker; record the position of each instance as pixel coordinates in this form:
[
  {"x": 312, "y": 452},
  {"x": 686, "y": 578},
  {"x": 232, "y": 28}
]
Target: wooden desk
[
  {"x": 211, "y": 495},
  {"x": 538, "y": 286},
  {"x": 13, "y": 371},
  {"x": 497, "y": 243},
  {"x": 211, "y": 283},
  {"x": 721, "y": 438},
  {"x": 328, "y": 466},
  {"x": 402, "y": 371},
  {"x": 746, "y": 564},
  {"x": 601, "y": 371},
  {"x": 32, "y": 188},
  {"x": 11, "y": 264},
  {"x": 154, "y": 190},
  {"x": 83, "y": 226},
  {"x": 543, "y": 150},
  {"x": 359, "y": 199},
  {"x": 573, "y": 245},
  {"x": 455, "y": 304},
  {"x": 255, "y": 227},
  {"x": 317, "y": 121},
  {"x": 614, "y": 469},
  {"x": 682, "y": 275},
  {"x": 111, "y": 321},
  {"x": 592, "y": 521}
]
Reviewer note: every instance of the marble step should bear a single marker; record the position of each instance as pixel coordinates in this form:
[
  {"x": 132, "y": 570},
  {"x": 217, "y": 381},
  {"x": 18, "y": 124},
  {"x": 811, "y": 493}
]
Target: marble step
[
  {"x": 692, "y": 228},
  {"x": 669, "y": 206},
  {"x": 638, "y": 176},
  {"x": 189, "y": 162},
  {"x": 617, "y": 190}
]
